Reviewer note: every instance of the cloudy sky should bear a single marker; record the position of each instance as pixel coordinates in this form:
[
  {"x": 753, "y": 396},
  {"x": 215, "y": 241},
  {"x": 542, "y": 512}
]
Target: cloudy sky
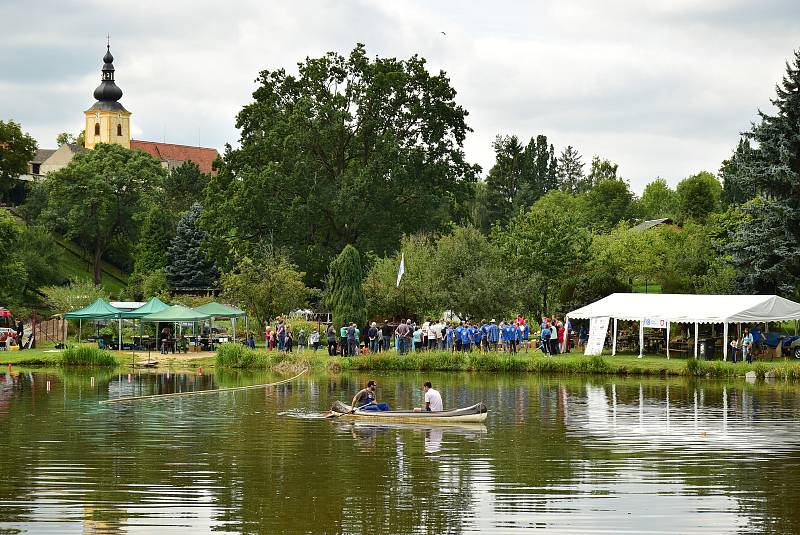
[{"x": 662, "y": 88}]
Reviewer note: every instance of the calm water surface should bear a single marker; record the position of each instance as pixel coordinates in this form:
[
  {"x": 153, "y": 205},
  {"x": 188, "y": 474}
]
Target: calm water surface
[{"x": 597, "y": 455}]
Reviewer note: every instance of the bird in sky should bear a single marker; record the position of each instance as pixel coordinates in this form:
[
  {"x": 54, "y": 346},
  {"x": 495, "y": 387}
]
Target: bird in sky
[{"x": 443, "y": 34}]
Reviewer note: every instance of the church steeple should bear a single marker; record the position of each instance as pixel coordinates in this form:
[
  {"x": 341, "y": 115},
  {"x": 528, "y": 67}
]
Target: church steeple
[{"x": 107, "y": 121}]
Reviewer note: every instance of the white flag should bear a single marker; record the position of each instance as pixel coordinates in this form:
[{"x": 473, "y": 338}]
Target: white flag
[{"x": 402, "y": 268}]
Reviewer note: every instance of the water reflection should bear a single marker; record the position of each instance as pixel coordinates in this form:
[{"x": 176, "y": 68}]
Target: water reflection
[{"x": 566, "y": 455}]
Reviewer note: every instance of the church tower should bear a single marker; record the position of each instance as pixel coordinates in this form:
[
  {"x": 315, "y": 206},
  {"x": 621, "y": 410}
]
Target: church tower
[{"x": 107, "y": 121}]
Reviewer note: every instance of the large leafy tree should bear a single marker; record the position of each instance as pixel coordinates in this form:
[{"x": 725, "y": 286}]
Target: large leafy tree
[
  {"x": 16, "y": 150},
  {"x": 265, "y": 284},
  {"x": 698, "y": 197},
  {"x": 12, "y": 268},
  {"x": 544, "y": 243},
  {"x": 767, "y": 247},
  {"x": 600, "y": 170},
  {"x": 345, "y": 291},
  {"x": 96, "y": 198},
  {"x": 608, "y": 203},
  {"x": 189, "y": 265},
  {"x": 184, "y": 186},
  {"x": 352, "y": 150},
  {"x": 659, "y": 200}
]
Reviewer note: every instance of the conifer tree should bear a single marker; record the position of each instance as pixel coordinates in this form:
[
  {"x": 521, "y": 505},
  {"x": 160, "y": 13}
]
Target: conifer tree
[
  {"x": 569, "y": 171},
  {"x": 189, "y": 266},
  {"x": 767, "y": 247},
  {"x": 345, "y": 294}
]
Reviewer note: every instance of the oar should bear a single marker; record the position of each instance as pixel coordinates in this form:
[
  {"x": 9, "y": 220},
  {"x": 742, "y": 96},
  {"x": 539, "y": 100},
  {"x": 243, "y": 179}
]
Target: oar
[{"x": 333, "y": 414}]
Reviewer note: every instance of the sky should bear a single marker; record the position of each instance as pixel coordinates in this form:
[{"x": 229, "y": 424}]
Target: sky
[{"x": 662, "y": 88}]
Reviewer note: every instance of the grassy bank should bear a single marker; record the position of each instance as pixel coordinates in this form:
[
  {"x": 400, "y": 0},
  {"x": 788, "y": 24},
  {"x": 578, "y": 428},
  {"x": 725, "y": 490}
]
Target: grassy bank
[
  {"x": 231, "y": 356},
  {"x": 85, "y": 355}
]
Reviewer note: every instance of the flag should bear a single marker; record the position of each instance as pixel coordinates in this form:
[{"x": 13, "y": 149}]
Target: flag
[{"x": 402, "y": 269}]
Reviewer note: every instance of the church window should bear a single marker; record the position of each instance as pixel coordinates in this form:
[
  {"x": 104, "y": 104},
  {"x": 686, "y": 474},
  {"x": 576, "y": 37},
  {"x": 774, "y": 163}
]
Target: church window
[
  {"x": 119, "y": 130},
  {"x": 97, "y": 129}
]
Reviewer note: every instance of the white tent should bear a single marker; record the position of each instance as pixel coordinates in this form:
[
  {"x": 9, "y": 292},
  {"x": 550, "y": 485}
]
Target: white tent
[{"x": 654, "y": 309}]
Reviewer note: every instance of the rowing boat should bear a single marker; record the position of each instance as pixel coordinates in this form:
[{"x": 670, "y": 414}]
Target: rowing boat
[{"x": 473, "y": 414}]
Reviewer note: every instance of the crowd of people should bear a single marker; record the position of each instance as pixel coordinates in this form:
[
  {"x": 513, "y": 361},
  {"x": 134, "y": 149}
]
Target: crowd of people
[{"x": 551, "y": 336}]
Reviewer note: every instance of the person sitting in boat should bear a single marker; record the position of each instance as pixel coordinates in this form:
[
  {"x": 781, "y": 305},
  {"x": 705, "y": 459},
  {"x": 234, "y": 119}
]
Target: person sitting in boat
[
  {"x": 365, "y": 399},
  {"x": 433, "y": 399}
]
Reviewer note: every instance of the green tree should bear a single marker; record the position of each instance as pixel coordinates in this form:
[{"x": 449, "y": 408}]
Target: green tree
[
  {"x": 16, "y": 150},
  {"x": 95, "y": 199},
  {"x": 41, "y": 256},
  {"x": 345, "y": 291},
  {"x": 607, "y": 204},
  {"x": 12, "y": 268},
  {"x": 78, "y": 293},
  {"x": 734, "y": 190},
  {"x": 544, "y": 243},
  {"x": 189, "y": 265},
  {"x": 659, "y": 200},
  {"x": 66, "y": 138},
  {"x": 352, "y": 150},
  {"x": 155, "y": 236},
  {"x": 600, "y": 170},
  {"x": 767, "y": 247},
  {"x": 266, "y": 285},
  {"x": 569, "y": 171},
  {"x": 184, "y": 186},
  {"x": 698, "y": 197}
]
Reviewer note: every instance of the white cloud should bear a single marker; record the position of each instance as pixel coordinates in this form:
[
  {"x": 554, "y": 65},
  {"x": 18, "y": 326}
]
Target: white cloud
[{"x": 662, "y": 88}]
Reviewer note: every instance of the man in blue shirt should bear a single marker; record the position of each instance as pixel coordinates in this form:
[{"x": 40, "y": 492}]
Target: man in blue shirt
[
  {"x": 448, "y": 337},
  {"x": 546, "y": 339},
  {"x": 466, "y": 337},
  {"x": 484, "y": 336},
  {"x": 494, "y": 335},
  {"x": 477, "y": 338},
  {"x": 458, "y": 331},
  {"x": 526, "y": 334}
]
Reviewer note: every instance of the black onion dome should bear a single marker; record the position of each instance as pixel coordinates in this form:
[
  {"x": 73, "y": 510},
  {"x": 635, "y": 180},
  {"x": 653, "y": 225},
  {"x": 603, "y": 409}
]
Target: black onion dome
[{"x": 108, "y": 91}]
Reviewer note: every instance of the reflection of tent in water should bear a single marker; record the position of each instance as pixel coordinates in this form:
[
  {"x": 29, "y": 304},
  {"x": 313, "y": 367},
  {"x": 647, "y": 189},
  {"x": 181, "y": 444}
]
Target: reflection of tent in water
[{"x": 665, "y": 423}]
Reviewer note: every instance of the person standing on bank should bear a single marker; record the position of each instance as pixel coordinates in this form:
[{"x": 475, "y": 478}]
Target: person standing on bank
[
  {"x": 331, "y": 336},
  {"x": 433, "y": 399}
]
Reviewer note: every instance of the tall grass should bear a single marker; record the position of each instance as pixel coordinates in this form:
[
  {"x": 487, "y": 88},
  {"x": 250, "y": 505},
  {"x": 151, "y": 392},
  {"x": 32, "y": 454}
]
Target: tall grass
[{"x": 87, "y": 356}]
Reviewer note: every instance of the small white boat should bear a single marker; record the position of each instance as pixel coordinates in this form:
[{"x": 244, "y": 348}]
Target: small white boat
[{"x": 472, "y": 414}]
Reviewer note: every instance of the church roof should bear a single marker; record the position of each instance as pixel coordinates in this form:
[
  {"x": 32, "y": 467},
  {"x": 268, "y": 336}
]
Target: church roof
[
  {"x": 42, "y": 155},
  {"x": 102, "y": 105},
  {"x": 167, "y": 152}
]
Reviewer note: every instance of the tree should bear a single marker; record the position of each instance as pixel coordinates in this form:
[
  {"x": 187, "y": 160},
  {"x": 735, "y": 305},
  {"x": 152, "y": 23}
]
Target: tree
[
  {"x": 16, "y": 150},
  {"x": 155, "y": 236},
  {"x": 419, "y": 293},
  {"x": 767, "y": 247},
  {"x": 95, "y": 199},
  {"x": 266, "y": 285},
  {"x": 345, "y": 291},
  {"x": 659, "y": 200},
  {"x": 12, "y": 268},
  {"x": 189, "y": 265},
  {"x": 569, "y": 171},
  {"x": 41, "y": 256},
  {"x": 184, "y": 186},
  {"x": 601, "y": 170},
  {"x": 77, "y": 294},
  {"x": 607, "y": 204},
  {"x": 698, "y": 197},
  {"x": 734, "y": 192},
  {"x": 352, "y": 150},
  {"x": 545, "y": 242},
  {"x": 66, "y": 138}
]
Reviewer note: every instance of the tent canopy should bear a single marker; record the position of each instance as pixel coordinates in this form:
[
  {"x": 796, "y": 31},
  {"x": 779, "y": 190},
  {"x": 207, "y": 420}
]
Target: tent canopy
[
  {"x": 154, "y": 305},
  {"x": 219, "y": 310},
  {"x": 99, "y": 310},
  {"x": 689, "y": 308},
  {"x": 176, "y": 313}
]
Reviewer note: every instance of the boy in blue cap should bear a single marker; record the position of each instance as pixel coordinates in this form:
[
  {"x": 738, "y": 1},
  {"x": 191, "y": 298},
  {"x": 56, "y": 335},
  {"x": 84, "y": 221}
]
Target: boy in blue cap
[{"x": 494, "y": 335}]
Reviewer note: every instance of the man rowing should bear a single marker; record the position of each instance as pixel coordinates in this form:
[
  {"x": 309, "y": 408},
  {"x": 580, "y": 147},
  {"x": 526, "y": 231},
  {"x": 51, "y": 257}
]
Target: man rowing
[{"x": 365, "y": 399}]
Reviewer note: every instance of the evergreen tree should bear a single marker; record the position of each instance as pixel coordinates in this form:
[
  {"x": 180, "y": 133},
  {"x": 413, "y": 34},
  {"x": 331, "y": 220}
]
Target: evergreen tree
[
  {"x": 184, "y": 186},
  {"x": 155, "y": 237},
  {"x": 345, "y": 295},
  {"x": 733, "y": 191},
  {"x": 189, "y": 265},
  {"x": 569, "y": 170},
  {"x": 767, "y": 248}
]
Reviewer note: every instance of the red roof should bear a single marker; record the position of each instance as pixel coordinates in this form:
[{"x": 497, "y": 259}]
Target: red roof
[{"x": 202, "y": 156}]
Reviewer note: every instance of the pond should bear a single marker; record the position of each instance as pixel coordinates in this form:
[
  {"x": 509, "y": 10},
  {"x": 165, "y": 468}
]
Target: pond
[{"x": 569, "y": 455}]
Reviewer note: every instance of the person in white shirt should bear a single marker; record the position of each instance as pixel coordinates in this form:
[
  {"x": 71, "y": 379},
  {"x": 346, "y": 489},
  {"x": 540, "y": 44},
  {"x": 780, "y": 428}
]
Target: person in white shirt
[{"x": 433, "y": 399}]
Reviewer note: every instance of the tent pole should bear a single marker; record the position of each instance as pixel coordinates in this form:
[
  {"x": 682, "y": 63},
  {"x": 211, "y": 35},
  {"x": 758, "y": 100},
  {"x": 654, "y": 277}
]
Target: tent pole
[
  {"x": 667, "y": 340},
  {"x": 80, "y": 328},
  {"x": 641, "y": 338},
  {"x": 233, "y": 322},
  {"x": 614, "y": 339},
  {"x": 725, "y": 341},
  {"x": 120, "y": 334},
  {"x": 696, "y": 334}
]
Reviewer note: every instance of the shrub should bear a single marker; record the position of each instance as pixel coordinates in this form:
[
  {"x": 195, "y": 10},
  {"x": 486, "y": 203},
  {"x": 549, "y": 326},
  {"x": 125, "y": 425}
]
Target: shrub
[{"x": 87, "y": 356}]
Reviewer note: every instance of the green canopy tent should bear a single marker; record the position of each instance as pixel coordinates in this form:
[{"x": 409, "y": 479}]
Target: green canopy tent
[
  {"x": 99, "y": 310},
  {"x": 176, "y": 314},
  {"x": 153, "y": 305},
  {"x": 218, "y": 310}
]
